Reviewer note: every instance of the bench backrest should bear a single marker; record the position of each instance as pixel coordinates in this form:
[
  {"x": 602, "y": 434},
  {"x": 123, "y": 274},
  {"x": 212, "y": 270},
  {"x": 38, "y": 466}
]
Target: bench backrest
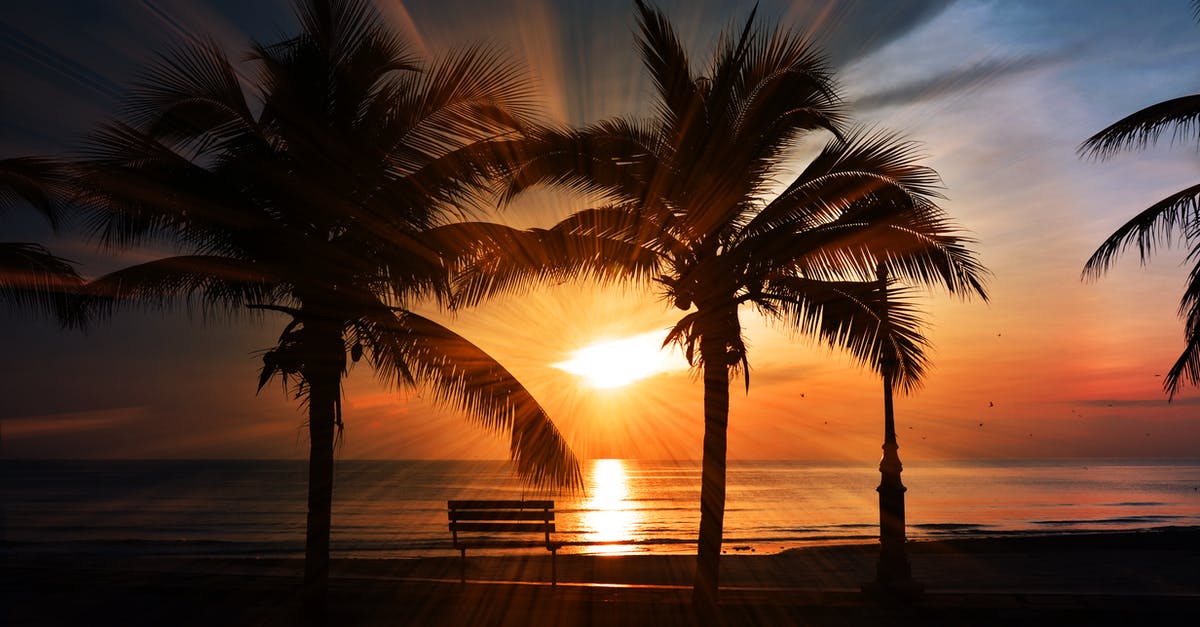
[{"x": 501, "y": 517}]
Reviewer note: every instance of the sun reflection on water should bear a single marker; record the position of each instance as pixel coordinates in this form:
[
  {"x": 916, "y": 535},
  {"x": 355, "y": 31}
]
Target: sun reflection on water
[{"x": 609, "y": 520}]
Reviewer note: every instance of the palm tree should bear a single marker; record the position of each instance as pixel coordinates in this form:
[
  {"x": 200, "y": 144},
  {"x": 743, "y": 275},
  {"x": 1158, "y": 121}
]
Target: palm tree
[
  {"x": 691, "y": 201},
  {"x": 1158, "y": 224},
  {"x": 31, "y": 277},
  {"x": 329, "y": 196}
]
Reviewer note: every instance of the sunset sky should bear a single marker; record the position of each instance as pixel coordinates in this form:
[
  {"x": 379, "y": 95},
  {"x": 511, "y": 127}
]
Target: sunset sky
[{"x": 999, "y": 93}]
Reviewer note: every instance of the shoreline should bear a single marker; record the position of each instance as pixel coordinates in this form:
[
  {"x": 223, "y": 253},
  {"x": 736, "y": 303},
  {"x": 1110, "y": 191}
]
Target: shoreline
[
  {"x": 219, "y": 550},
  {"x": 1145, "y": 577}
]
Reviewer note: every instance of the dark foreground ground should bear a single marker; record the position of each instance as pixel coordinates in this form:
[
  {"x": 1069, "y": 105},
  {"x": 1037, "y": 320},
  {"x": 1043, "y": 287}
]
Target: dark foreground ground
[{"x": 1147, "y": 578}]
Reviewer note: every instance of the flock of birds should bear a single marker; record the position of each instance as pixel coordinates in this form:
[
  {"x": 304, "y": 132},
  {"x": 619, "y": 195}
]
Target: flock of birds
[{"x": 992, "y": 405}]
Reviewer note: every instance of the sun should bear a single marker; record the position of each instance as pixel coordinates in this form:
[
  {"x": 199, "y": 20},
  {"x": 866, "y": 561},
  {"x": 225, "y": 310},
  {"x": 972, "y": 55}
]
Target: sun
[{"x": 614, "y": 363}]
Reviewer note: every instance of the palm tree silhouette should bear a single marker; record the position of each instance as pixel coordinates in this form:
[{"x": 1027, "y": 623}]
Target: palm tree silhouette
[
  {"x": 31, "y": 277},
  {"x": 1179, "y": 212},
  {"x": 334, "y": 197},
  {"x": 692, "y": 203}
]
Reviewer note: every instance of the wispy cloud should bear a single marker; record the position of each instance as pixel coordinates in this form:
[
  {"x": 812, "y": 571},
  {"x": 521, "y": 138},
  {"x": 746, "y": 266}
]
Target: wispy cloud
[
  {"x": 851, "y": 30},
  {"x": 1149, "y": 402},
  {"x": 956, "y": 80},
  {"x": 70, "y": 423}
]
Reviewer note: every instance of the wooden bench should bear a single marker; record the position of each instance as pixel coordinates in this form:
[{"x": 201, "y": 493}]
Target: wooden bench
[{"x": 481, "y": 521}]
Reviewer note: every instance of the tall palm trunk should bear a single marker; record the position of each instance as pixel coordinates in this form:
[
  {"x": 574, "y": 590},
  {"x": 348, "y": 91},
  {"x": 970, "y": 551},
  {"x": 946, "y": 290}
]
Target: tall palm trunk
[
  {"x": 705, "y": 595},
  {"x": 322, "y": 370}
]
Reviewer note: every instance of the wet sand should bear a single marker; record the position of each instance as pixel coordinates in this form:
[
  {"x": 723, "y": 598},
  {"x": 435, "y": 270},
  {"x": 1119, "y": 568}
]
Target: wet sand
[{"x": 1135, "y": 578}]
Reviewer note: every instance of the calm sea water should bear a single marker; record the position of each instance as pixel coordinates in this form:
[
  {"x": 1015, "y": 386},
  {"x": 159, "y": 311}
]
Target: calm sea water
[{"x": 398, "y": 508}]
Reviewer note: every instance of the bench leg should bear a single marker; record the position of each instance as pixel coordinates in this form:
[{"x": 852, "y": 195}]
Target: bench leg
[
  {"x": 554, "y": 568},
  {"x": 462, "y": 566}
]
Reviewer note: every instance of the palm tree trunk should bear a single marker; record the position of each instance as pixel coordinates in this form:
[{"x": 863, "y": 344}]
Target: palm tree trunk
[
  {"x": 322, "y": 371},
  {"x": 705, "y": 595}
]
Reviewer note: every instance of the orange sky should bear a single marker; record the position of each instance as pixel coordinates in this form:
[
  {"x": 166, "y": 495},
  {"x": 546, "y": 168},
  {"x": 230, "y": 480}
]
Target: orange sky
[{"x": 1051, "y": 367}]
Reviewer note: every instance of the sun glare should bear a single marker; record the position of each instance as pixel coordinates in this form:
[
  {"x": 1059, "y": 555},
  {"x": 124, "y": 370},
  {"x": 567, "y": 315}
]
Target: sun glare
[
  {"x": 609, "y": 520},
  {"x": 615, "y": 363}
]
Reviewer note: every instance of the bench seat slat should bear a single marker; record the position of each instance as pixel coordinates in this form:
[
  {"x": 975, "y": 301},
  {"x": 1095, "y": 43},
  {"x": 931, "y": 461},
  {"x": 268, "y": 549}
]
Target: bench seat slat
[
  {"x": 501, "y": 504},
  {"x": 538, "y": 515},
  {"x": 529, "y": 527},
  {"x": 507, "y": 544}
]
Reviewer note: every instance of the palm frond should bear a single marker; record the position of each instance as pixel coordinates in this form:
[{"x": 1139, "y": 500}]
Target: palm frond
[
  {"x": 1187, "y": 366},
  {"x": 918, "y": 245},
  {"x": 216, "y": 285},
  {"x": 845, "y": 172},
  {"x": 288, "y": 357},
  {"x": 192, "y": 95},
  {"x": 617, "y": 158},
  {"x": 476, "y": 94},
  {"x": 864, "y": 201},
  {"x": 327, "y": 91},
  {"x": 917, "y": 242},
  {"x": 338, "y": 27},
  {"x": 405, "y": 347},
  {"x": 627, "y": 222},
  {"x": 716, "y": 333},
  {"x": 37, "y": 181},
  {"x": 665, "y": 59},
  {"x": 787, "y": 88},
  {"x": 358, "y": 45},
  {"x": 33, "y": 279},
  {"x": 132, "y": 189},
  {"x": 725, "y": 71},
  {"x": 447, "y": 187},
  {"x": 864, "y": 318},
  {"x": 488, "y": 259},
  {"x": 1142, "y": 128},
  {"x": 1155, "y": 225},
  {"x": 480, "y": 82},
  {"x": 881, "y": 152}
]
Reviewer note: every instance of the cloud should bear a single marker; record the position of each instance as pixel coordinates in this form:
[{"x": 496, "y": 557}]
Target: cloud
[
  {"x": 69, "y": 423},
  {"x": 848, "y": 31},
  {"x": 1152, "y": 402},
  {"x": 956, "y": 80}
]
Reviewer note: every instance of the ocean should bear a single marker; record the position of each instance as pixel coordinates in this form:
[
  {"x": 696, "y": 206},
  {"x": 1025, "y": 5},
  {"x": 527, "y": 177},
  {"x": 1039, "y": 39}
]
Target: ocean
[{"x": 396, "y": 509}]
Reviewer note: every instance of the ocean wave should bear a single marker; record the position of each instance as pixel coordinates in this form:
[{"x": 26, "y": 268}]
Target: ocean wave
[
  {"x": 1118, "y": 520},
  {"x": 951, "y": 526}
]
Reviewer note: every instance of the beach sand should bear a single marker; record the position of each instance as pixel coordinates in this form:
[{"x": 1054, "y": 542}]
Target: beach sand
[{"x": 1132, "y": 578}]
